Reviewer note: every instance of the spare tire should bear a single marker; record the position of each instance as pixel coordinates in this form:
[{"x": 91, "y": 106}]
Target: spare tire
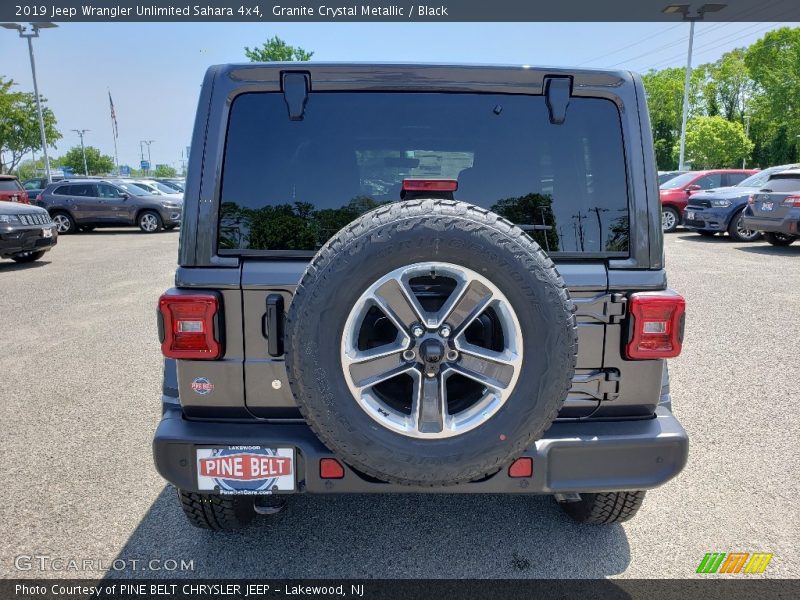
[{"x": 430, "y": 342}]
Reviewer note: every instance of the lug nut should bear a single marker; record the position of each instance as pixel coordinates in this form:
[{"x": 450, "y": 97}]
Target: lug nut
[
  {"x": 452, "y": 355},
  {"x": 417, "y": 331},
  {"x": 409, "y": 355},
  {"x": 445, "y": 331}
]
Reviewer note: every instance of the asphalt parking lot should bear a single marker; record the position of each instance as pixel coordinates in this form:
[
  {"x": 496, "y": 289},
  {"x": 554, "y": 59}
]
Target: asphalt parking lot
[{"x": 81, "y": 381}]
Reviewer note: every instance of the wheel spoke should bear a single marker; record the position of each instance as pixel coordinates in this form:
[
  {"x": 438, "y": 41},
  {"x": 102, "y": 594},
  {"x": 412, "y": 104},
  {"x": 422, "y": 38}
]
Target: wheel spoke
[
  {"x": 395, "y": 299},
  {"x": 428, "y": 405},
  {"x": 470, "y": 304},
  {"x": 370, "y": 368},
  {"x": 492, "y": 369}
]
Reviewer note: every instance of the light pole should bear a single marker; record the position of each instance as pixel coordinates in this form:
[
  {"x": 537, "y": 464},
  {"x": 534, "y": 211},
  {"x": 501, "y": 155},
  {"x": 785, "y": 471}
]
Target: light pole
[
  {"x": 698, "y": 16},
  {"x": 29, "y": 32},
  {"x": 747, "y": 135},
  {"x": 81, "y": 133},
  {"x": 148, "y": 142}
]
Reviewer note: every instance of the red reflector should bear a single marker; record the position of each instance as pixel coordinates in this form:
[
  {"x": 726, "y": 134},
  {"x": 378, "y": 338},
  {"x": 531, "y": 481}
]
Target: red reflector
[
  {"x": 522, "y": 467},
  {"x": 657, "y": 320},
  {"x": 430, "y": 185},
  {"x": 330, "y": 468},
  {"x": 189, "y": 331}
]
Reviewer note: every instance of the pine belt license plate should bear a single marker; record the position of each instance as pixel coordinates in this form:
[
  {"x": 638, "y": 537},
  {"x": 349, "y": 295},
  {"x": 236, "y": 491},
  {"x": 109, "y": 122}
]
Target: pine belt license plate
[
  {"x": 690, "y": 215},
  {"x": 246, "y": 470}
]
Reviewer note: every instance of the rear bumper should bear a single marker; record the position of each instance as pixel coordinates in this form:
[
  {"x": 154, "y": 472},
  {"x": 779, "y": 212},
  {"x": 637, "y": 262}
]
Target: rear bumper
[
  {"x": 789, "y": 225},
  {"x": 571, "y": 457}
]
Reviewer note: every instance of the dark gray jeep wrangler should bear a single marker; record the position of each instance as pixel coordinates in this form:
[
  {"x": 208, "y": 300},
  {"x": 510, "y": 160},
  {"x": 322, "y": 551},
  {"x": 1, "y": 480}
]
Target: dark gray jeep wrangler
[{"x": 419, "y": 278}]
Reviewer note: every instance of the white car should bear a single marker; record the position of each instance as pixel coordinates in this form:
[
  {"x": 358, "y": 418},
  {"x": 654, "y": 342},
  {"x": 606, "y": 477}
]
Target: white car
[{"x": 156, "y": 187}]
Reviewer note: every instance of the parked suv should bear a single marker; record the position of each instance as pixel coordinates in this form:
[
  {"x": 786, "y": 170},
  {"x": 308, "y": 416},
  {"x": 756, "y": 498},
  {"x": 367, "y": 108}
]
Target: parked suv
[
  {"x": 675, "y": 192},
  {"x": 11, "y": 190},
  {"x": 428, "y": 279},
  {"x": 83, "y": 204},
  {"x": 775, "y": 209},
  {"x": 26, "y": 232},
  {"x": 721, "y": 210}
]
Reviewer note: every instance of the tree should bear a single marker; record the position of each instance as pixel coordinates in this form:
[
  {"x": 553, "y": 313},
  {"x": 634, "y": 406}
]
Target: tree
[
  {"x": 665, "y": 104},
  {"x": 275, "y": 49},
  {"x": 714, "y": 142},
  {"x": 97, "y": 163},
  {"x": 728, "y": 86},
  {"x": 165, "y": 171},
  {"x": 19, "y": 125}
]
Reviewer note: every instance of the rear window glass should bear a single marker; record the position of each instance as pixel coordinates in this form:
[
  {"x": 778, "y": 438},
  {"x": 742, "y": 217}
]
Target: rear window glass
[
  {"x": 291, "y": 185},
  {"x": 9, "y": 185},
  {"x": 784, "y": 184}
]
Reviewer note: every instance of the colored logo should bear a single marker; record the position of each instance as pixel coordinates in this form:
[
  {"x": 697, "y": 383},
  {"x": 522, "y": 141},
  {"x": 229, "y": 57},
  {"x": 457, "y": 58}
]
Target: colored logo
[
  {"x": 202, "y": 386},
  {"x": 734, "y": 562},
  {"x": 251, "y": 470}
]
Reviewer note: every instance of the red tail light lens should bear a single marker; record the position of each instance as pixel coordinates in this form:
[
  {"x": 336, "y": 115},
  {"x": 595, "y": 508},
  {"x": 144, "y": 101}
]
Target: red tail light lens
[
  {"x": 657, "y": 320},
  {"x": 189, "y": 326},
  {"x": 430, "y": 185},
  {"x": 792, "y": 201}
]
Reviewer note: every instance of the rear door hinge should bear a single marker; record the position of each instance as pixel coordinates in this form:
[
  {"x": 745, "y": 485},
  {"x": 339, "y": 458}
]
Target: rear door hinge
[
  {"x": 601, "y": 384},
  {"x": 607, "y": 308}
]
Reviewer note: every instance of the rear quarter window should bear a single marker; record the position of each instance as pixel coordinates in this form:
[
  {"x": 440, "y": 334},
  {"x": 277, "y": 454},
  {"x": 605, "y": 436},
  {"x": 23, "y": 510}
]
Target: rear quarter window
[
  {"x": 291, "y": 185},
  {"x": 10, "y": 185}
]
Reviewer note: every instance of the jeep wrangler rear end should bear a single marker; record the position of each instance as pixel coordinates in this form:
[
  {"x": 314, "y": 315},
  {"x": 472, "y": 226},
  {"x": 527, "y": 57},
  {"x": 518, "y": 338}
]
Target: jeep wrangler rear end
[{"x": 419, "y": 278}]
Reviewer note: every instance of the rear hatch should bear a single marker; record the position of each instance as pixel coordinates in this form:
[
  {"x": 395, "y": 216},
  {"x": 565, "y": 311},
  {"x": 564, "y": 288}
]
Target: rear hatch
[
  {"x": 12, "y": 191},
  {"x": 770, "y": 203},
  {"x": 299, "y": 165}
]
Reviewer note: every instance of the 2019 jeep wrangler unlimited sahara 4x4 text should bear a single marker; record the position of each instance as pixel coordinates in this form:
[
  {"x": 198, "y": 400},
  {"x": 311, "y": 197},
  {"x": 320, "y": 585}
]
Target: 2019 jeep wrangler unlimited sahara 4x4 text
[{"x": 419, "y": 278}]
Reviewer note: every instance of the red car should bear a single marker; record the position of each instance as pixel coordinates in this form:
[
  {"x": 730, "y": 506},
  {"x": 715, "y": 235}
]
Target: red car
[
  {"x": 675, "y": 192},
  {"x": 11, "y": 190}
]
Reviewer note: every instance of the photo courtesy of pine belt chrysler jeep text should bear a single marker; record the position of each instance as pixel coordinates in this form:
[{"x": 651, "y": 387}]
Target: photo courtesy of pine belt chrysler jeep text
[{"x": 419, "y": 278}]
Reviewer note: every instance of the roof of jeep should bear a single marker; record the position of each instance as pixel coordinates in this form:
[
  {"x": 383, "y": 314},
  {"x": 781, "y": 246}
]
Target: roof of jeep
[{"x": 395, "y": 75}]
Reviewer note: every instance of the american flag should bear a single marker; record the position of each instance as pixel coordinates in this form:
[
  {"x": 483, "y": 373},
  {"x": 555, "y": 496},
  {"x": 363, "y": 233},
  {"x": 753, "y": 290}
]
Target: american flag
[{"x": 113, "y": 115}]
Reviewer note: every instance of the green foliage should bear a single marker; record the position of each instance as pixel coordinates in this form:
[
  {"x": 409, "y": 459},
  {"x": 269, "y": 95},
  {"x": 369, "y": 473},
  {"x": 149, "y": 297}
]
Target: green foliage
[
  {"x": 98, "y": 164},
  {"x": 715, "y": 142},
  {"x": 275, "y": 49},
  {"x": 760, "y": 83},
  {"x": 165, "y": 171},
  {"x": 19, "y": 125}
]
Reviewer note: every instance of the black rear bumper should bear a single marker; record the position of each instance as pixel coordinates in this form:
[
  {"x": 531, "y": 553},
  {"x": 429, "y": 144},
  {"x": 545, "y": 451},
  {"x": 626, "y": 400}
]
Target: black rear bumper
[
  {"x": 15, "y": 240},
  {"x": 571, "y": 457}
]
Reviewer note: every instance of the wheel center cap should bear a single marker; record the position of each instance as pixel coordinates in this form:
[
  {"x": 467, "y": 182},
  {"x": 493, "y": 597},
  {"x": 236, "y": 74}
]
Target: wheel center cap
[{"x": 431, "y": 351}]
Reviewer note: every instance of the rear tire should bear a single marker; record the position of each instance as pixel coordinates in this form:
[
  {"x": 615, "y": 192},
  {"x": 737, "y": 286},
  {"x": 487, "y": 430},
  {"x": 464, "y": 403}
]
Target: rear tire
[
  {"x": 27, "y": 257},
  {"x": 605, "y": 508},
  {"x": 670, "y": 219},
  {"x": 779, "y": 239},
  {"x": 737, "y": 231},
  {"x": 217, "y": 513}
]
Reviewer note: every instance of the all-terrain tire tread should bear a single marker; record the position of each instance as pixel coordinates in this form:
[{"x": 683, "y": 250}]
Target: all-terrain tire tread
[
  {"x": 605, "y": 508},
  {"x": 214, "y": 512}
]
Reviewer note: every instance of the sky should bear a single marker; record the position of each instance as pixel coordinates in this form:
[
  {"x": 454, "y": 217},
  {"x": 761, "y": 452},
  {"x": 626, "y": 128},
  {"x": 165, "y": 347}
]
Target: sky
[{"x": 154, "y": 70}]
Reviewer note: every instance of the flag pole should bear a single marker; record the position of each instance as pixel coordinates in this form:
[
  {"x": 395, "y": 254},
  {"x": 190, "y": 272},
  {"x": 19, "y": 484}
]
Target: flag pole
[{"x": 114, "y": 130}]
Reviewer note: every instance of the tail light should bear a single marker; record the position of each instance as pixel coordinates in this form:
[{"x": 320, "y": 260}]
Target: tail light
[
  {"x": 792, "y": 201},
  {"x": 38, "y": 198},
  {"x": 189, "y": 326},
  {"x": 656, "y": 325},
  {"x": 430, "y": 185}
]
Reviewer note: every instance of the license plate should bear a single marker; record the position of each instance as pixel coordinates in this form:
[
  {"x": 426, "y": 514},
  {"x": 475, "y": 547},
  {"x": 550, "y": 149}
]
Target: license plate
[
  {"x": 47, "y": 232},
  {"x": 690, "y": 215},
  {"x": 767, "y": 206},
  {"x": 246, "y": 470}
]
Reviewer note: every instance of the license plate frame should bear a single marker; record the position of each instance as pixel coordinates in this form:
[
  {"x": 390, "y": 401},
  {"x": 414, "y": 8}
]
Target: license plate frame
[{"x": 246, "y": 470}]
